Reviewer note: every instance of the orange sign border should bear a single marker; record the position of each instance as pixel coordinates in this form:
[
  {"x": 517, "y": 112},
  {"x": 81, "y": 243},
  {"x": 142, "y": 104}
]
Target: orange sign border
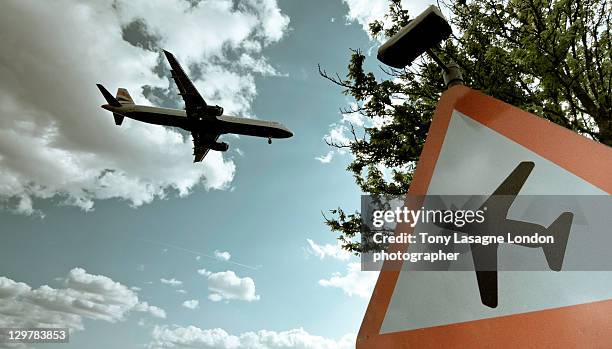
[{"x": 565, "y": 327}]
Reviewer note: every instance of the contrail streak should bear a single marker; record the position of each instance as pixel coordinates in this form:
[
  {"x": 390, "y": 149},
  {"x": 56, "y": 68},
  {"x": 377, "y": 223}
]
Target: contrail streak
[{"x": 199, "y": 253}]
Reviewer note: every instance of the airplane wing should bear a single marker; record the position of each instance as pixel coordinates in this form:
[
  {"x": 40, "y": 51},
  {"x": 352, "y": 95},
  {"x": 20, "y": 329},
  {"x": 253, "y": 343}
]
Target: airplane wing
[
  {"x": 199, "y": 156},
  {"x": 191, "y": 96},
  {"x": 498, "y": 204},
  {"x": 485, "y": 257},
  {"x": 199, "y": 139},
  {"x": 502, "y": 198}
]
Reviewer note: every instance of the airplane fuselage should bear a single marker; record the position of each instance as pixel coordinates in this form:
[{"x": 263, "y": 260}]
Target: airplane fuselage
[{"x": 221, "y": 124}]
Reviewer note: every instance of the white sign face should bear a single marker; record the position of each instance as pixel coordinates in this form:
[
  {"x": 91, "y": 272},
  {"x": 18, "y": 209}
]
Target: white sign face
[
  {"x": 470, "y": 164},
  {"x": 475, "y": 143}
]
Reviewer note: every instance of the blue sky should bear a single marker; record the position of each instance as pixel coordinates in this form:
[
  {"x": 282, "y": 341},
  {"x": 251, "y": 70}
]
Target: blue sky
[{"x": 115, "y": 233}]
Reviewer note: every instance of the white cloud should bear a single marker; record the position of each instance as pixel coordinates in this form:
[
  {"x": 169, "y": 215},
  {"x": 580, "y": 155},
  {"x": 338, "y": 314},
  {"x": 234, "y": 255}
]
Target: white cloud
[
  {"x": 354, "y": 282},
  {"x": 366, "y": 11},
  {"x": 257, "y": 65},
  {"x": 153, "y": 310},
  {"x": 195, "y": 337},
  {"x": 84, "y": 296},
  {"x": 226, "y": 285},
  {"x": 181, "y": 291},
  {"x": 354, "y": 118},
  {"x": 223, "y": 255},
  {"x": 55, "y": 141},
  {"x": 338, "y": 134},
  {"x": 328, "y": 250},
  {"x": 172, "y": 282},
  {"x": 327, "y": 158},
  {"x": 191, "y": 304}
]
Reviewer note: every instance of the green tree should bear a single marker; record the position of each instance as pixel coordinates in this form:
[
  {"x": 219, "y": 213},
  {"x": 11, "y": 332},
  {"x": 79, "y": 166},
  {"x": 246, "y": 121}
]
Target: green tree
[{"x": 550, "y": 57}]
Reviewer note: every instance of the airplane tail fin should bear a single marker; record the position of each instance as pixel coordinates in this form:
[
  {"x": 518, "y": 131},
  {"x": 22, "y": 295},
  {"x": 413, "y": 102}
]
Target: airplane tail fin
[
  {"x": 113, "y": 102},
  {"x": 118, "y": 119},
  {"x": 109, "y": 98},
  {"x": 123, "y": 96},
  {"x": 559, "y": 230}
]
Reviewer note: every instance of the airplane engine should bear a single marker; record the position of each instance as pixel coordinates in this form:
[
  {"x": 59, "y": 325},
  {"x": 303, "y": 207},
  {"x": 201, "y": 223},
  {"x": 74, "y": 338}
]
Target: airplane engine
[
  {"x": 219, "y": 146},
  {"x": 213, "y": 110}
]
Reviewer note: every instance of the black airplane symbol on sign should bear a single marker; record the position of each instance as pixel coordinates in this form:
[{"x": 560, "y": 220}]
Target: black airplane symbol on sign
[{"x": 496, "y": 212}]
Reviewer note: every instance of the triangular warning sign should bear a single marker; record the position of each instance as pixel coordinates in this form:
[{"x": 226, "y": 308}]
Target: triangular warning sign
[{"x": 474, "y": 142}]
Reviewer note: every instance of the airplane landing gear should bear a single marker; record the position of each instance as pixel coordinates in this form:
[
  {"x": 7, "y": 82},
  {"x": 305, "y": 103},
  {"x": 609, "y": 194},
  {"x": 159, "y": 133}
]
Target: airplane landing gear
[{"x": 269, "y": 140}]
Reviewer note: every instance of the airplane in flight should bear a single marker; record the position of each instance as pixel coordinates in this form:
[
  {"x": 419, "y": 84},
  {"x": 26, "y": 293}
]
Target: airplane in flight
[
  {"x": 205, "y": 122},
  {"x": 497, "y": 223}
]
